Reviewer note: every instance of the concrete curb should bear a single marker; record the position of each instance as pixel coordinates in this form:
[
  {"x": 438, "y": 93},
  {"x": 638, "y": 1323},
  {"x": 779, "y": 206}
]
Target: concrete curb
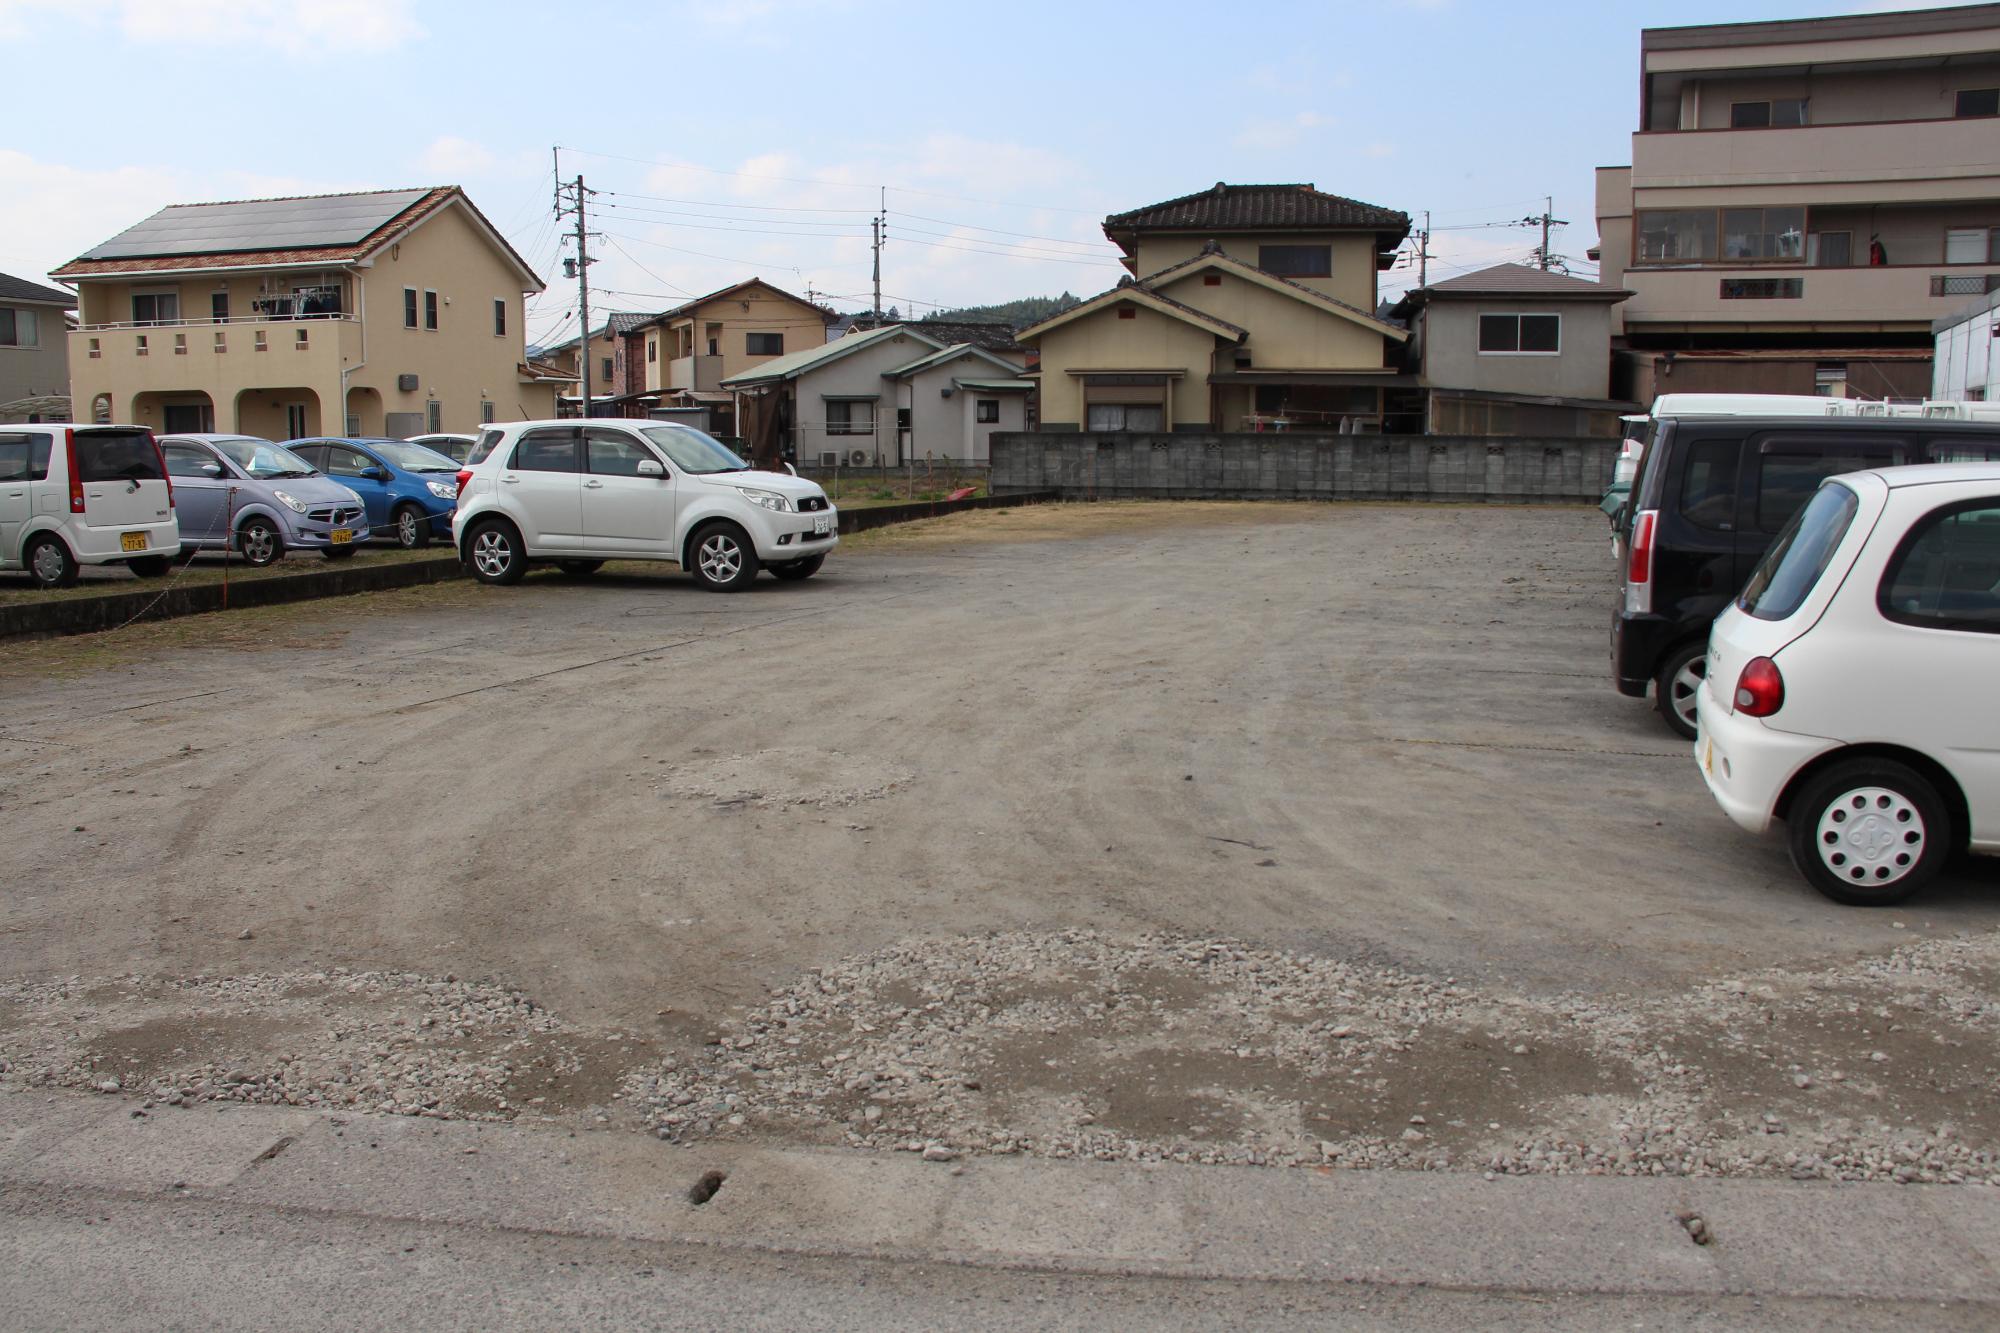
[
  {"x": 1594, "y": 1235},
  {"x": 86, "y": 615}
]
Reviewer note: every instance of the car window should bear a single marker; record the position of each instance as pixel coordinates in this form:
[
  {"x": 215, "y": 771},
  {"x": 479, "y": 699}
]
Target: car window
[
  {"x": 546, "y": 451},
  {"x": 128, "y": 455},
  {"x": 312, "y": 453},
  {"x": 345, "y": 462},
  {"x": 487, "y": 439},
  {"x": 185, "y": 460},
  {"x": 1790, "y": 569},
  {"x": 15, "y": 453},
  {"x": 612, "y": 453},
  {"x": 1963, "y": 451},
  {"x": 1708, "y": 484},
  {"x": 1946, "y": 572},
  {"x": 1789, "y": 471}
]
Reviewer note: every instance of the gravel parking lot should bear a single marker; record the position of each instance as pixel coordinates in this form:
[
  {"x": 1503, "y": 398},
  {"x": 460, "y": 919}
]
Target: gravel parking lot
[{"x": 1233, "y": 833}]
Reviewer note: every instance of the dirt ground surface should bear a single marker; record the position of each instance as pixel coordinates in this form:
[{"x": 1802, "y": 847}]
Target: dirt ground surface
[{"x": 1202, "y": 832}]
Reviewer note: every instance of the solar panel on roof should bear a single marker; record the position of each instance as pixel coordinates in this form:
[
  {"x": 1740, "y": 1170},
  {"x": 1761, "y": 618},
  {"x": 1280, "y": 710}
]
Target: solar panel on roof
[{"x": 269, "y": 224}]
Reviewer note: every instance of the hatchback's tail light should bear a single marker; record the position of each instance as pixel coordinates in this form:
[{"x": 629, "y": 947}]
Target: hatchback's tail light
[
  {"x": 1760, "y": 690},
  {"x": 1639, "y": 565},
  {"x": 160, "y": 453},
  {"x": 75, "y": 478},
  {"x": 464, "y": 476}
]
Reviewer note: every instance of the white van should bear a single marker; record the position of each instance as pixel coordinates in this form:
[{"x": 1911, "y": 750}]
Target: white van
[{"x": 74, "y": 495}]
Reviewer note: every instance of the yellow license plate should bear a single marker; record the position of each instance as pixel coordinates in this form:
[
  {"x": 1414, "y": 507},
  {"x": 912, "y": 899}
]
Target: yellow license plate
[
  {"x": 340, "y": 535},
  {"x": 132, "y": 541}
]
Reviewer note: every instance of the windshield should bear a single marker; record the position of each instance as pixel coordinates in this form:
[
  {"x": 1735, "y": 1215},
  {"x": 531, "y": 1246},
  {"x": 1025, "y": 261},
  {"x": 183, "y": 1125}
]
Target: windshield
[
  {"x": 412, "y": 457},
  {"x": 1793, "y": 565},
  {"x": 694, "y": 451},
  {"x": 261, "y": 459}
]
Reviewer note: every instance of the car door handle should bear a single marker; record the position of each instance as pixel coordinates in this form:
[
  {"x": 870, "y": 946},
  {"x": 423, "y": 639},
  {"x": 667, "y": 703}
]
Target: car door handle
[
  {"x": 510, "y": 480},
  {"x": 593, "y": 485}
]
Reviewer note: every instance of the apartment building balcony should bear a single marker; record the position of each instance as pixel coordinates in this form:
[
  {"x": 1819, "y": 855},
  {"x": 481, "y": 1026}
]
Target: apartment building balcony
[
  {"x": 246, "y": 352},
  {"x": 1898, "y": 298},
  {"x": 1895, "y": 161},
  {"x": 700, "y": 373}
]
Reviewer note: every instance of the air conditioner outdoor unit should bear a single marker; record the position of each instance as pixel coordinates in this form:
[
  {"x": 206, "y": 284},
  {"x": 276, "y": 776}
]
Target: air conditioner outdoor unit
[
  {"x": 831, "y": 458},
  {"x": 406, "y": 383},
  {"x": 857, "y": 458}
]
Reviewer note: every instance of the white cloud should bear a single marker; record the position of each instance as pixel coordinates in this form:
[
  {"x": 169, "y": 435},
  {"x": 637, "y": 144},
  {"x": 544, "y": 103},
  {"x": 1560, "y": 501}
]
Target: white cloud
[
  {"x": 449, "y": 157},
  {"x": 55, "y": 212},
  {"x": 1380, "y": 148},
  {"x": 296, "y": 27},
  {"x": 1270, "y": 134}
]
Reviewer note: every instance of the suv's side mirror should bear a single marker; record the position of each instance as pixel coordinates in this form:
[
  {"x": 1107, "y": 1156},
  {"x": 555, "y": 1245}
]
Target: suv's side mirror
[
  {"x": 375, "y": 473},
  {"x": 211, "y": 469},
  {"x": 650, "y": 467}
]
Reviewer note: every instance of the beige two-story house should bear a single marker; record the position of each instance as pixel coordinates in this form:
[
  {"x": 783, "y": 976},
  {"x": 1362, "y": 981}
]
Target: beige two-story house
[
  {"x": 1804, "y": 199},
  {"x": 34, "y": 357},
  {"x": 685, "y": 353},
  {"x": 390, "y": 312},
  {"x": 1247, "y": 306}
]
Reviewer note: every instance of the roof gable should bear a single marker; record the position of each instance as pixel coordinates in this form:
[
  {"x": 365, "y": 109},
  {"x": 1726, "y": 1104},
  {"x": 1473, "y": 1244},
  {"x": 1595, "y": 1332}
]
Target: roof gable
[
  {"x": 794, "y": 364},
  {"x": 1219, "y": 261},
  {"x": 687, "y": 308},
  {"x": 1138, "y": 295},
  {"x": 1293, "y": 207},
  {"x": 949, "y": 354}
]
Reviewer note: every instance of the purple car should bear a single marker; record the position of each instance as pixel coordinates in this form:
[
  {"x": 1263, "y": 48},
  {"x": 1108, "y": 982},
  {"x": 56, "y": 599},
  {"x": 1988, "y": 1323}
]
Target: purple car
[{"x": 260, "y": 498}]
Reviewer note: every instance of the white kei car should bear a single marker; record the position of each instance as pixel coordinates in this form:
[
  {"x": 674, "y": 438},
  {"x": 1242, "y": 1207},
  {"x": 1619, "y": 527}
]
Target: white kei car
[
  {"x": 579, "y": 493},
  {"x": 1853, "y": 689}
]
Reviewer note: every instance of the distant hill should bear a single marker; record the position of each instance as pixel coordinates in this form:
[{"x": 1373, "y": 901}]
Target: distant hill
[{"x": 1019, "y": 314}]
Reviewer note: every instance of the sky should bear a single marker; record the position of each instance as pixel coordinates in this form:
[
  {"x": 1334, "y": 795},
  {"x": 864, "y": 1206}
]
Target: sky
[{"x": 758, "y": 137}]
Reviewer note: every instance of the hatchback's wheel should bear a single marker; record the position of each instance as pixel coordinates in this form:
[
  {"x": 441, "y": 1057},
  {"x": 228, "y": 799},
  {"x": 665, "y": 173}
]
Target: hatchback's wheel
[
  {"x": 579, "y": 569},
  {"x": 149, "y": 566},
  {"x": 259, "y": 541},
  {"x": 723, "y": 558},
  {"x": 1675, "y": 687},
  {"x": 1869, "y": 832},
  {"x": 50, "y": 562},
  {"x": 494, "y": 553},
  {"x": 799, "y": 569},
  {"x": 413, "y": 527}
]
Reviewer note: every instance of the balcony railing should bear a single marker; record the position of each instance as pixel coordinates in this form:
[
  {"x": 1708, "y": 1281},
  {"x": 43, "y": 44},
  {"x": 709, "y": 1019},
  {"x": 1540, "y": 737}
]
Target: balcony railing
[
  {"x": 1964, "y": 284},
  {"x": 211, "y": 322}
]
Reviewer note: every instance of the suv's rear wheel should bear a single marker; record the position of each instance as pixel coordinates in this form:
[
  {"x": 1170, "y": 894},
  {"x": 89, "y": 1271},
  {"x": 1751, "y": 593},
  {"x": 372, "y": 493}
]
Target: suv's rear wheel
[
  {"x": 1869, "y": 832},
  {"x": 493, "y": 553},
  {"x": 799, "y": 569},
  {"x": 50, "y": 562},
  {"x": 1675, "y": 687},
  {"x": 260, "y": 543},
  {"x": 724, "y": 560}
]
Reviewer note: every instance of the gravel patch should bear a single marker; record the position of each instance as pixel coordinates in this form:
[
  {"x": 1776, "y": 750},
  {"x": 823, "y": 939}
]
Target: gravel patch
[{"x": 788, "y": 776}]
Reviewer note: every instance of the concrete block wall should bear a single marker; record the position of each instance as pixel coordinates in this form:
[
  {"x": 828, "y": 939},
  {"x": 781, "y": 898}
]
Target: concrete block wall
[{"x": 1191, "y": 466}]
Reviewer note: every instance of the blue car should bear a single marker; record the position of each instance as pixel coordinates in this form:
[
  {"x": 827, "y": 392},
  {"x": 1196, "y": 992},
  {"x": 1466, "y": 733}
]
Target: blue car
[
  {"x": 409, "y": 491},
  {"x": 244, "y": 492}
]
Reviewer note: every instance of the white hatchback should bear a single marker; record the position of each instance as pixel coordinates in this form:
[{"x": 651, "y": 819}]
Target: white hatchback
[
  {"x": 579, "y": 493},
  {"x": 1853, "y": 689},
  {"x": 74, "y": 495}
]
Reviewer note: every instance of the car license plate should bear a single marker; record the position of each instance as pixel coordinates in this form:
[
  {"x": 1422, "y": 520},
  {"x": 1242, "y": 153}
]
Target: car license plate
[
  {"x": 340, "y": 536},
  {"x": 132, "y": 541},
  {"x": 822, "y": 525}
]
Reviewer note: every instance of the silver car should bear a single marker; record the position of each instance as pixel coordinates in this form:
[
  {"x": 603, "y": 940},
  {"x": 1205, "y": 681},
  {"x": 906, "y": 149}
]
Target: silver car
[{"x": 260, "y": 498}]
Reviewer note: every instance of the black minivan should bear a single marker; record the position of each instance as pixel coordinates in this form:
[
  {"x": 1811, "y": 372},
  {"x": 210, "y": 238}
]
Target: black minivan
[{"x": 1712, "y": 494}]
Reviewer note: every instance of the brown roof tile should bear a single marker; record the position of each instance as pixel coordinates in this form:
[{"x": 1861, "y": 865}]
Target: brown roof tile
[{"x": 1225, "y": 207}]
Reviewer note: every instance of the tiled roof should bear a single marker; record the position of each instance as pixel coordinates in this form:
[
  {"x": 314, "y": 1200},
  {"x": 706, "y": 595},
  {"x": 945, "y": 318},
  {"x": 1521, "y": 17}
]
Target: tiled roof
[
  {"x": 431, "y": 202},
  {"x": 1524, "y": 280},
  {"x": 20, "y": 289},
  {"x": 794, "y": 364},
  {"x": 617, "y": 324},
  {"x": 1225, "y": 207},
  {"x": 986, "y": 336}
]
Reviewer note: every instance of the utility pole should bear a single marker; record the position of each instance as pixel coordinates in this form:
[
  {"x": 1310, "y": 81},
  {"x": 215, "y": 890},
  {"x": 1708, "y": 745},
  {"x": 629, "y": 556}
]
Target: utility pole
[
  {"x": 1545, "y": 221},
  {"x": 876, "y": 226},
  {"x": 570, "y": 199},
  {"x": 1424, "y": 252}
]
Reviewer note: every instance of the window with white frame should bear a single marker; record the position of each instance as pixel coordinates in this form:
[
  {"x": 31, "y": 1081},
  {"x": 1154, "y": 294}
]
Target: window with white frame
[
  {"x": 409, "y": 307},
  {"x": 430, "y": 310},
  {"x": 156, "y": 307},
  {"x": 1126, "y": 416},
  {"x": 1972, "y": 245},
  {"x": 499, "y": 318},
  {"x": 1520, "y": 335},
  {"x": 846, "y": 416},
  {"x": 19, "y": 328}
]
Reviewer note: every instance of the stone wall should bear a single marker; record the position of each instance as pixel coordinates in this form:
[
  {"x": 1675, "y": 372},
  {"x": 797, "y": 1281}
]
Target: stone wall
[{"x": 1198, "y": 466}]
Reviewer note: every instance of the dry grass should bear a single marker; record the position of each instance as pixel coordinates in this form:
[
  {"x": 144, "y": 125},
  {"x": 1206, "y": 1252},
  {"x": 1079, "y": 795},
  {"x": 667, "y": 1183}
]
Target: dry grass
[{"x": 102, "y": 581}]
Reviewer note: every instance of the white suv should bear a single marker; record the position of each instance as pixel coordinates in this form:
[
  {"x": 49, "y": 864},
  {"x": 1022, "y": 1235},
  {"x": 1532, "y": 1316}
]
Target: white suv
[
  {"x": 74, "y": 495},
  {"x": 1853, "y": 689},
  {"x": 580, "y": 493}
]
